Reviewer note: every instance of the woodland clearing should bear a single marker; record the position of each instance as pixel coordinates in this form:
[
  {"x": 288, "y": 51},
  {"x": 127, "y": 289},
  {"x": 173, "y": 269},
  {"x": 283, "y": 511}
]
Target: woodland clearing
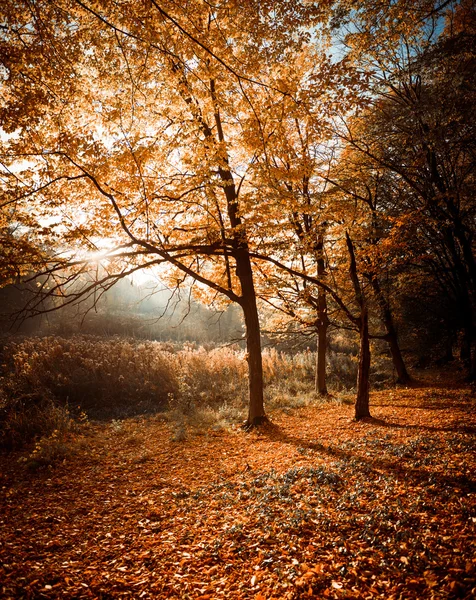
[
  {"x": 314, "y": 505},
  {"x": 305, "y": 173}
]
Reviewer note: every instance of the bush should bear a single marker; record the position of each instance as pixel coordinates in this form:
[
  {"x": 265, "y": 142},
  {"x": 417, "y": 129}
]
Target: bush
[
  {"x": 104, "y": 377},
  {"x": 50, "y": 450},
  {"x": 109, "y": 378},
  {"x": 211, "y": 378},
  {"x": 342, "y": 369},
  {"x": 31, "y": 417}
]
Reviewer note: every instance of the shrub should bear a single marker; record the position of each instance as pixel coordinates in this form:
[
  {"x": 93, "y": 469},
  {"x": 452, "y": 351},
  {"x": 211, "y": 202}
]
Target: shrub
[
  {"x": 105, "y": 377},
  {"x": 30, "y": 417},
  {"x": 50, "y": 450},
  {"x": 109, "y": 378},
  {"x": 342, "y": 370},
  {"x": 211, "y": 378},
  {"x": 117, "y": 378}
]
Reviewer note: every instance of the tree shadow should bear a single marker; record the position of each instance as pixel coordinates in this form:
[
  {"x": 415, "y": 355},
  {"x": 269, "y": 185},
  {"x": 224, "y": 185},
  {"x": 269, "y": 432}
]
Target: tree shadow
[
  {"x": 456, "y": 428},
  {"x": 375, "y": 466},
  {"x": 435, "y": 405}
]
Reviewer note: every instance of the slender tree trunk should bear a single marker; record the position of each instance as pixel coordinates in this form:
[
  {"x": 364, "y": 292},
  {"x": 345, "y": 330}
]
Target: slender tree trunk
[
  {"x": 465, "y": 348},
  {"x": 391, "y": 334},
  {"x": 321, "y": 379},
  {"x": 472, "y": 365},
  {"x": 362, "y": 409},
  {"x": 397, "y": 358},
  {"x": 448, "y": 357},
  {"x": 468, "y": 343},
  {"x": 323, "y": 322},
  {"x": 468, "y": 351}
]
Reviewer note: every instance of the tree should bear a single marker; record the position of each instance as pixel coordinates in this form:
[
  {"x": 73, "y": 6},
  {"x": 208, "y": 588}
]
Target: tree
[
  {"x": 367, "y": 190},
  {"x": 346, "y": 298},
  {"x": 148, "y": 134},
  {"x": 126, "y": 127},
  {"x": 419, "y": 131},
  {"x": 288, "y": 166},
  {"x": 296, "y": 149},
  {"x": 363, "y": 374}
]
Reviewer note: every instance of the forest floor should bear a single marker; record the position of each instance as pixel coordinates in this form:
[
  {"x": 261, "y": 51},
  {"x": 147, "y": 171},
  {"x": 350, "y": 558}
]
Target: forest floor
[{"x": 313, "y": 505}]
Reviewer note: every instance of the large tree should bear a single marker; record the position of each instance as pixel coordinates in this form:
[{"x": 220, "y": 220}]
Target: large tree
[
  {"x": 123, "y": 140},
  {"x": 148, "y": 133}
]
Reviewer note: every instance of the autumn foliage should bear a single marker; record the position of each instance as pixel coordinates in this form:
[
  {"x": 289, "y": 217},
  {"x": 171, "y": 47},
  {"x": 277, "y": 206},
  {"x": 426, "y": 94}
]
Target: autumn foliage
[
  {"x": 48, "y": 382},
  {"x": 311, "y": 164}
]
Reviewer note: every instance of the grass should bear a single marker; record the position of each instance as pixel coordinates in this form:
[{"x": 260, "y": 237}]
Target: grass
[{"x": 47, "y": 383}]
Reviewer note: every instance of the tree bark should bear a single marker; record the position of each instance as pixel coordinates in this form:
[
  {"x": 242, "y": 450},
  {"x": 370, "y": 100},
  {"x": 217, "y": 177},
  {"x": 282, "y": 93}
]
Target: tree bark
[
  {"x": 468, "y": 351},
  {"x": 256, "y": 414},
  {"x": 321, "y": 379},
  {"x": 362, "y": 409},
  {"x": 468, "y": 343},
  {"x": 448, "y": 357},
  {"x": 397, "y": 358},
  {"x": 323, "y": 322},
  {"x": 391, "y": 334},
  {"x": 472, "y": 363},
  {"x": 240, "y": 252},
  {"x": 465, "y": 347}
]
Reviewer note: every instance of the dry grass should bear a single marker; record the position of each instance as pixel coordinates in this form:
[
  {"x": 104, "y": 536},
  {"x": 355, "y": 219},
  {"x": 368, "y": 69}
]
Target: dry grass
[{"x": 47, "y": 383}]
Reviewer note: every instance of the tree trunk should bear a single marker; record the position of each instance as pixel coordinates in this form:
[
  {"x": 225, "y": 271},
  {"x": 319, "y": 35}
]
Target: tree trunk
[
  {"x": 362, "y": 409},
  {"x": 244, "y": 272},
  {"x": 397, "y": 358},
  {"x": 472, "y": 364},
  {"x": 391, "y": 334},
  {"x": 256, "y": 414},
  {"x": 323, "y": 322},
  {"x": 465, "y": 348},
  {"x": 468, "y": 351},
  {"x": 468, "y": 345},
  {"x": 448, "y": 356},
  {"x": 321, "y": 383}
]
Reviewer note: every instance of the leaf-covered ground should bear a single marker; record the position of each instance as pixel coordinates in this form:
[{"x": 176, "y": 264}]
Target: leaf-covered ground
[{"x": 313, "y": 506}]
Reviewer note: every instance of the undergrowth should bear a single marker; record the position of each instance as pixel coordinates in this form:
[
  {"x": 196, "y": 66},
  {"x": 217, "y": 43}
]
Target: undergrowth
[{"x": 47, "y": 383}]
